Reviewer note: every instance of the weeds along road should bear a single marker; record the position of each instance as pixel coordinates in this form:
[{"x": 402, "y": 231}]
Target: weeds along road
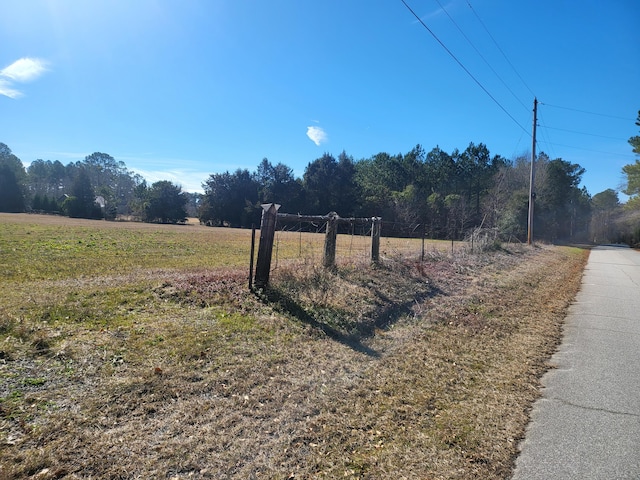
[{"x": 587, "y": 423}]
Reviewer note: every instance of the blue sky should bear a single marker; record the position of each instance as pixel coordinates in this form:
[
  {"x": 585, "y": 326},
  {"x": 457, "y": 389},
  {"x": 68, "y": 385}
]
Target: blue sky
[{"x": 180, "y": 89}]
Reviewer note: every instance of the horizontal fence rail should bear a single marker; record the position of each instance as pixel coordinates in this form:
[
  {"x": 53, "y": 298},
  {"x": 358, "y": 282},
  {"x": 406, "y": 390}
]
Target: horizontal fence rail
[
  {"x": 325, "y": 237},
  {"x": 331, "y": 221}
]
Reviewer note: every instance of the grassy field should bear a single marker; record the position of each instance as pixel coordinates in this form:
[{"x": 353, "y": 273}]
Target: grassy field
[{"x": 136, "y": 351}]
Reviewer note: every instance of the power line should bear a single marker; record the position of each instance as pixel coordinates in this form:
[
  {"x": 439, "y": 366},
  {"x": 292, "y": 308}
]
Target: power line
[
  {"x": 585, "y": 133},
  {"x": 626, "y": 155},
  {"x": 587, "y": 112},
  {"x": 481, "y": 56},
  {"x": 501, "y": 51},
  {"x": 463, "y": 67},
  {"x": 546, "y": 135},
  {"x": 517, "y": 145}
]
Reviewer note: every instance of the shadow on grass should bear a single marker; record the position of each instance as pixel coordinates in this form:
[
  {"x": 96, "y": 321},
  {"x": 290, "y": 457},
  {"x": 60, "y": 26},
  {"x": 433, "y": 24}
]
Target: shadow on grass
[
  {"x": 288, "y": 306},
  {"x": 389, "y": 315},
  {"x": 382, "y": 318}
]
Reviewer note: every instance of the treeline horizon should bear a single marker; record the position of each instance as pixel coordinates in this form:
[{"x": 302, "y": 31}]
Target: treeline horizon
[{"x": 447, "y": 194}]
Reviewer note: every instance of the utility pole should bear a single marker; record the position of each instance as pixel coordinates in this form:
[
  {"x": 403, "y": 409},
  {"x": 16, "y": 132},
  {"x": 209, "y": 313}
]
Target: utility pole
[{"x": 532, "y": 194}]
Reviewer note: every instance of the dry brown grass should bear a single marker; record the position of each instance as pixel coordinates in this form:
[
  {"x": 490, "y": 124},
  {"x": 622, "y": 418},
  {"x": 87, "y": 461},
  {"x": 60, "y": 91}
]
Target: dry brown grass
[{"x": 407, "y": 370}]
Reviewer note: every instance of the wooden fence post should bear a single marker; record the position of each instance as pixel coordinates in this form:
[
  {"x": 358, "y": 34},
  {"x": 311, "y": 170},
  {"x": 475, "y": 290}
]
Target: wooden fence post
[
  {"x": 376, "y": 227},
  {"x": 267, "y": 233},
  {"x": 329, "y": 259},
  {"x": 252, "y": 255}
]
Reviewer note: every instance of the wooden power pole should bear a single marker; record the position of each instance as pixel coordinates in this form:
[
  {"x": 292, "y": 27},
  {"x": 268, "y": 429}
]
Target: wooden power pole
[{"x": 532, "y": 176}]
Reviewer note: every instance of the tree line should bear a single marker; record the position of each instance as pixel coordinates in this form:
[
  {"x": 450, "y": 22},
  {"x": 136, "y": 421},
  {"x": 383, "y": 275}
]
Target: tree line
[
  {"x": 440, "y": 194},
  {"x": 436, "y": 193},
  {"x": 96, "y": 187}
]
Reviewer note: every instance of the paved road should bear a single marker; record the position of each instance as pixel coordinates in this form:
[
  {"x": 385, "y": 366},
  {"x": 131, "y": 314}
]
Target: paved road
[{"x": 587, "y": 423}]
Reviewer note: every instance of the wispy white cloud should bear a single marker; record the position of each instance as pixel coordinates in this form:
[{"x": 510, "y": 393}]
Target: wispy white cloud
[
  {"x": 317, "y": 135},
  {"x": 189, "y": 180},
  {"x": 23, "y": 70},
  {"x": 7, "y": 90},
  {"x": 436, "y": 13}
]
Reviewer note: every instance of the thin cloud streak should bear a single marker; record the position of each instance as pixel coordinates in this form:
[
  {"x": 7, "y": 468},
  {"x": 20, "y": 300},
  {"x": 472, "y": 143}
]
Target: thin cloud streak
[
  {"x": 189, "y": 180},
  {"x": 317, "y": 135},
  {"x": 436, "y": 13},
  {"x": 7, "y": 91}
]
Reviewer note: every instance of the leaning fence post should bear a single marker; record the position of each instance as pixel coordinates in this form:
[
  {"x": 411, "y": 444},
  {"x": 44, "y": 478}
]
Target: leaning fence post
[
  {"x": 267, "y": 233},
  {"x": 329, "y": 259},
  {"x": 376, "y": 224}
]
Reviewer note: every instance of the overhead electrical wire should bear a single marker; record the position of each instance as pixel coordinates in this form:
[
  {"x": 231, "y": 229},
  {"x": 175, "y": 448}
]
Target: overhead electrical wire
[
  {"x": 481, "y": 56},
  {"x": 463, "y": 67},
  {"x": 544, "y": 127},
  {"x": 585, "y": 133},
  {"x": 626, "y": 155},
  {"x": 506, "y": 58},
  {"x": 545, "y": 134},
  {"x": 588, "y": 112},
  {"x": 498, "y": 47},
  {"x": 551, "y": 144},
  {"x": 547, "y": 140},
  {"x": 515, "y": 150}
]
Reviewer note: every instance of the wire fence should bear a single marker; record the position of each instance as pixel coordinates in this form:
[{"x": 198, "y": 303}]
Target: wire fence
[{"x": 305, "y": 241}]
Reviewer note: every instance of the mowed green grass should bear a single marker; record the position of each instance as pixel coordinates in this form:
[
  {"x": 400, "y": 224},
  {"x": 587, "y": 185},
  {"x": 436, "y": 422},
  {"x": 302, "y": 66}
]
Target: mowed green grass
[
  {"x": 34, "y": 247},
  {"x": 40, "y": 247}
]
